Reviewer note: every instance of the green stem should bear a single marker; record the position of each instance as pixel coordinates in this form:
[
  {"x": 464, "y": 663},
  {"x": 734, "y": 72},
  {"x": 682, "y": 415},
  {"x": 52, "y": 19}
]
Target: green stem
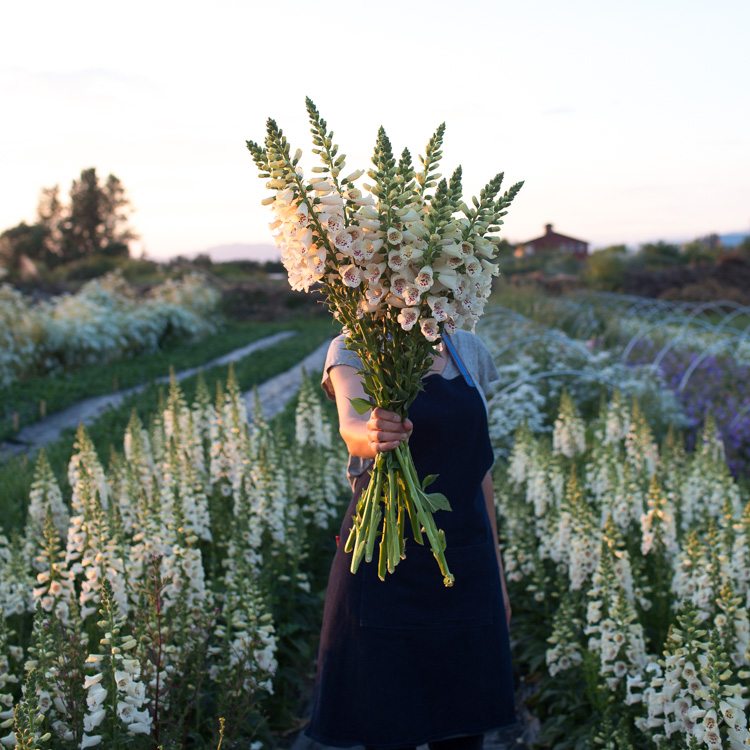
[{"x": 435, "y": 535}]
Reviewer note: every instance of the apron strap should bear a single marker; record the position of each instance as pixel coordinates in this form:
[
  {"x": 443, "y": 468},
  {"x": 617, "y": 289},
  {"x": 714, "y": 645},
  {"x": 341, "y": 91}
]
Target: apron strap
[{"x": 459, "y": 362}]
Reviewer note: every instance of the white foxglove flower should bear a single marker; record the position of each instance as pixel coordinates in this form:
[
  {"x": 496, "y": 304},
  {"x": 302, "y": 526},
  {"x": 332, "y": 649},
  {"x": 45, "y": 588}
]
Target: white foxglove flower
[
  {"x": 396, "y": 261},
  {"x": 408, "y": 317},
  {"x": 412, "y": 295},
  {"x": 373, "y": 272},
  {"x": 351, "y": 275},
  {"x": 451, "y": 250},
  {"x": 449, "y": 279},
  {"x": 430, "y": 329},
  {"x": 394, "y": 236},
  {"x": 352, "y": 176},
  {"x": 399, "y": 284},
  {"x": 424, "y": 279}
]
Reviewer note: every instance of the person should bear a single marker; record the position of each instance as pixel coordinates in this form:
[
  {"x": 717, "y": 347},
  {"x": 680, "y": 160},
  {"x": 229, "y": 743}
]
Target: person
[{"x": 407, "y": 661}]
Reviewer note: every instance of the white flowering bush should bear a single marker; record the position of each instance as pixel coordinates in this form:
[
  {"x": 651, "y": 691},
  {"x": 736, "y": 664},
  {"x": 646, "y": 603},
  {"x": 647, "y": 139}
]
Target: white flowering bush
[
  {"x": 628, "y": 564},
  {"x": 158, "y": 593},
  {"x": 104, "y": 321}
]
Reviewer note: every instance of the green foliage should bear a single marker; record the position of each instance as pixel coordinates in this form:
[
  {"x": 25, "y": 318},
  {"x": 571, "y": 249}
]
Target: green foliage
[
  {"x": 605, "y": 268},
  {"x": 655, "y": 255}
]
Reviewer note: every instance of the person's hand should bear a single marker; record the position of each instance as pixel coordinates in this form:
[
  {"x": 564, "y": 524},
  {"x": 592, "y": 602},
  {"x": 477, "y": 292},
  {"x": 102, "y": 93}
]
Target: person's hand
[
  {"x": 506, "y": 605},
  {"x": 385, "y": 430},
  {"x": 506, "y": 598}
]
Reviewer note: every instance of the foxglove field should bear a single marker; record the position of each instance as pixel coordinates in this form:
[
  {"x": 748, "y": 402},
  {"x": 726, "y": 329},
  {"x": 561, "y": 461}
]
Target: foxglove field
[
  {"x": 104, "y": 321},
  {"x": 152, "y": 603},
  {"x": 628, "y": 564},
  {"x": 701, "y": 351},
  {"x": 536, "y": 362}
]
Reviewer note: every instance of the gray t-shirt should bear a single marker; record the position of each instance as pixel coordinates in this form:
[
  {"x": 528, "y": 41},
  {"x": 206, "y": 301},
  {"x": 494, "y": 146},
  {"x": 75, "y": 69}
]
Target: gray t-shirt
[{"x": 471, "y": 349}]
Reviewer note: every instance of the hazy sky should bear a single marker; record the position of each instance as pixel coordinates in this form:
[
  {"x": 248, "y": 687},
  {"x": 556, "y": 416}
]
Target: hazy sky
[{"x": 629, "y": 120}]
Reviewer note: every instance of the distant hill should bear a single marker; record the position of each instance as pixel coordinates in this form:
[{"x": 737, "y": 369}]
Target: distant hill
[
  {"x": 733, "y": 239},
  {"x": 239, "y": 251}
]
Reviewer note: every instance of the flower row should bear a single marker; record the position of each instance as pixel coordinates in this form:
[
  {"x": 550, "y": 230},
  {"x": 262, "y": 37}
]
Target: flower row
[
  {"x": 629, "y": 568},
  {"x": 105, "y": 320},
  {"x": 158, "y": 585}
]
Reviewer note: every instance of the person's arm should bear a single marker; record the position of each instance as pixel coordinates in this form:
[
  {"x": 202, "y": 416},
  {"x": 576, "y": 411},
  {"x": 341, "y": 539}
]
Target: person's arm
[
  {"x": 489, "y": 499},
  {"x": 367, "y": 434}
]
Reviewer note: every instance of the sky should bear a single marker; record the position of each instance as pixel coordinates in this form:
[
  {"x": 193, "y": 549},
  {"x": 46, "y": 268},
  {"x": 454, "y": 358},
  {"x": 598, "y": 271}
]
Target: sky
[{"x": 628, "y": 120}]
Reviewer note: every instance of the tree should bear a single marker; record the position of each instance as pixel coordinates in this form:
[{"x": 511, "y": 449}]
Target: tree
[
  {"x": 605, "y": 268},
  {"x": 21, "y": 246},
  {"x": 660, "y": 254},
  {"x": 50, "y": 213},
  {"x": 702, "y": 249},
  {"x": 97, "y": 218}
]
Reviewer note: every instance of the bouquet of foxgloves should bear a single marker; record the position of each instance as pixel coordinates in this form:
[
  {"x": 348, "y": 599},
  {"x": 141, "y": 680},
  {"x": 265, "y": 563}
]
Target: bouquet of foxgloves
[{"x": 399, "y": 261}]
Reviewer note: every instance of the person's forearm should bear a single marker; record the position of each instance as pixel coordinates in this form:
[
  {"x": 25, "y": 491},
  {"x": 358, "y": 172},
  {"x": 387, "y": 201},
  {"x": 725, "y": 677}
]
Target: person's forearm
[
  {"x": 489, "y": 499},
  {"x": 354, "y": 434}
]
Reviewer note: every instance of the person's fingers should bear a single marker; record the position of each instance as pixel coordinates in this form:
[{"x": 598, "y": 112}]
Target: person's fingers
[
  {"x": 384, "y": 436},
  {"x": 384, "y": 424},
  {"x": 408, "y": 425},
  {"x": 385, "y": 414},
  {"x": 381, "y": 446}
]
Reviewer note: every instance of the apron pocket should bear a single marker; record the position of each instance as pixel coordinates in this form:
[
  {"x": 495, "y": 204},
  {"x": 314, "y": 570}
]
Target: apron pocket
[{"x": 414, "y": 596}]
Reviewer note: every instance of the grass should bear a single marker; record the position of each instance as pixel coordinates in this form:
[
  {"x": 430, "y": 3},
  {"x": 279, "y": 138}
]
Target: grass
[
  {"x": 107, "y": 432},
  {"x": 32, "y": 398}
]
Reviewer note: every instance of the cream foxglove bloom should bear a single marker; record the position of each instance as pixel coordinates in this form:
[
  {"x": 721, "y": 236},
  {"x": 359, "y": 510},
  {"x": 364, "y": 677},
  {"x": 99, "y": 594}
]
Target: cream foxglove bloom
[
  {"x": 491, "y": 269},
  {"x": 373, "y": 272},
  {"x": 412, "y": 295},
  {"x": 396, "y": 261},
  {"x": 323, "y": 187},
  {"x": 440, "y": 306},
  {"x": 375, "y": 294},
  {"x": 450, "y": 279},
  {"x": 399, "y": 282},
  {"x": 394, "y": 236},
  {"x": 424, "y": 279},
  {"x": 352, "y": 176},
  {"x": 351, "y": 275},
  {"x": 451, "y": 250},
  {"x": 407, "y": 214},
  {"x": 473, "y": 267},
  {"x": 408, "y": 317},
  {"x": 394, "y": 301},
  {"x": 333, "y": 222},
  {"x": 358, "y": 253},
  {"x": 447, "y": 263},
  {"x": 430, "y": 329},
  {"x": 368, "y": 212},
  {"x": 331, "y": 200}
]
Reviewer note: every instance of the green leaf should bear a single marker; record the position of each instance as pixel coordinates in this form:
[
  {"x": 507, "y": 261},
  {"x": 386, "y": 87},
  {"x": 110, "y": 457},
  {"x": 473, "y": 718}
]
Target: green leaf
[
  {"x": 437, "y": 501},
  {"x": 360, "y": 405},
  {"x": 428, "y": 480}
]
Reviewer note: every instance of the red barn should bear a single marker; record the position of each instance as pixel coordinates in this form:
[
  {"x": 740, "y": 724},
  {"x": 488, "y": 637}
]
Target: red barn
[{"x": 553, "y": 242}]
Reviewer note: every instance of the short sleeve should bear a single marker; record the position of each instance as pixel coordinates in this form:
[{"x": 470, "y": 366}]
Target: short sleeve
[
  {"x": 486, "y": 370},
  {"x": 337, "y": 354}
]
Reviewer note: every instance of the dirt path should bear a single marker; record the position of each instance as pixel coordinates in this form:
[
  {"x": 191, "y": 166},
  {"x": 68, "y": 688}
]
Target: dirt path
[{"x": 39, "y": 434}]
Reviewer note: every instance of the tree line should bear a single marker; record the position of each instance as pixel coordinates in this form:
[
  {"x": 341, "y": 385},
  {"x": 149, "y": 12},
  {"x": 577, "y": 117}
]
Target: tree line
[{"x": 94, "y": 221}]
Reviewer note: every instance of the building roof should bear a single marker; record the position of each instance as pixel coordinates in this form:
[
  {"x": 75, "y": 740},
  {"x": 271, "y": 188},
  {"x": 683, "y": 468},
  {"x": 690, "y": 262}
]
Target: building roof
[{"x": 551, "y": 237}]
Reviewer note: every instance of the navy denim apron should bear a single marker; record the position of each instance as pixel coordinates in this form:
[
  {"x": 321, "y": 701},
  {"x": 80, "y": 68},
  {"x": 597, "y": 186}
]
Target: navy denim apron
[{"x": 407, "y": 660}]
